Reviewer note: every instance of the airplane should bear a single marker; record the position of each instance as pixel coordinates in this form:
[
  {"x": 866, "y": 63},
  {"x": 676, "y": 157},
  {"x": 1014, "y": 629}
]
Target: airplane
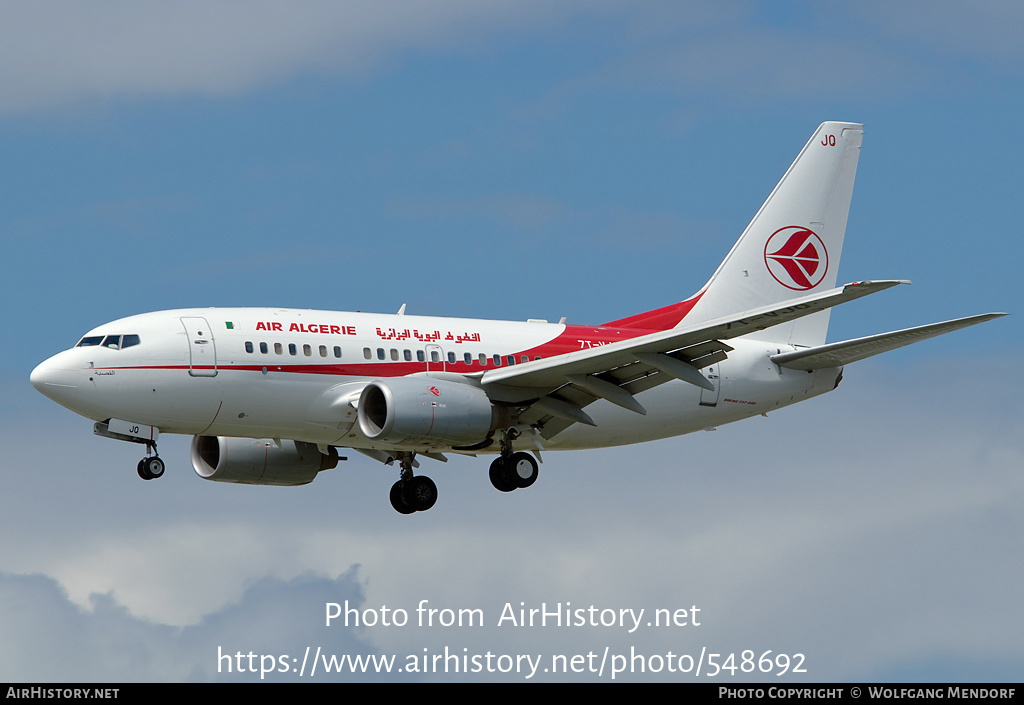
[{"x": 270, "y": 395}]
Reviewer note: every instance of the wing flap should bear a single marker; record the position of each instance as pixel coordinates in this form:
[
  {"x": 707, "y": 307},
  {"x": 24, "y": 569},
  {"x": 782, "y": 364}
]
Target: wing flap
[
  {"x": 538, "y": 411},
  {"x": 550, "y": 373},
  {"x": 847, "y": 351}
]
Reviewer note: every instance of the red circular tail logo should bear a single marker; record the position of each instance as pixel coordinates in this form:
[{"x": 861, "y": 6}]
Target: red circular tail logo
[{"x": 796, "y": 257}]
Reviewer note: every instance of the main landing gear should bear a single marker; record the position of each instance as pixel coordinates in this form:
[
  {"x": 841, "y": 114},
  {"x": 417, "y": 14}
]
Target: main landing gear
[
  {"x": 151, "y": 467},
  {"x": 512, "y": 471},
  {"x": 412, "y": 493},
  {"x": 418, "y": 493}
]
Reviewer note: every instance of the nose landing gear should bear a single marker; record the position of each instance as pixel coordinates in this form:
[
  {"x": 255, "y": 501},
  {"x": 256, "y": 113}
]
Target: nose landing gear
[{"x": 151, "y": 467}]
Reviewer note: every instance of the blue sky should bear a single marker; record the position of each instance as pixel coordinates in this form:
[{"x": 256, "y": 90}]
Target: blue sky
[{"x": 516, "y": 160}]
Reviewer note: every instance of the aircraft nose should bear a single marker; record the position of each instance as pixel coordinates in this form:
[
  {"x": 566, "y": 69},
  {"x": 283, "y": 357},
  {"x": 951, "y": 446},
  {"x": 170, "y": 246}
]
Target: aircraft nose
[{"x": 55, "y": 380}]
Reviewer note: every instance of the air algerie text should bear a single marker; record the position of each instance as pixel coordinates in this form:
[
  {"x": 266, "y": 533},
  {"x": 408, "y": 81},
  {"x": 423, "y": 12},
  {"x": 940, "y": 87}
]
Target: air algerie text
[{"x": 322, "y": 328}]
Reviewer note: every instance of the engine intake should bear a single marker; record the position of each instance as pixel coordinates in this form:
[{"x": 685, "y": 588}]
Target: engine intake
[
  {"x": 427, "y": 410},
  {"x": 259, "y": 461}
]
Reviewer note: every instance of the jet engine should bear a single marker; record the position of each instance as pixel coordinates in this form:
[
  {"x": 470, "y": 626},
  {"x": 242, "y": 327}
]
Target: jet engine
[
  {"x": 258, "y": 461},
  {"x": 427, "y": 410}
]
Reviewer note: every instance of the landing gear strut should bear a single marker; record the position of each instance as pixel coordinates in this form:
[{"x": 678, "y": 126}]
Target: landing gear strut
[
  {"x": 412, "y": 493},
  {"x": 512, "y": 471},
  {"x": 151, "y": 467}
]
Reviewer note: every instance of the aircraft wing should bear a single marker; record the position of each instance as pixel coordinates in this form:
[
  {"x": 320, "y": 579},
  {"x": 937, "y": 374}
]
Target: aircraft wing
[
  {"x": 847, "y": 351},
  {"x": 560, "y": 386}
]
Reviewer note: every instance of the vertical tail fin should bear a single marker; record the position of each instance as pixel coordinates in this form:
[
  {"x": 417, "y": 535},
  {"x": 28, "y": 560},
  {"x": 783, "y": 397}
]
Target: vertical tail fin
[{"x": 793, "y": 244}]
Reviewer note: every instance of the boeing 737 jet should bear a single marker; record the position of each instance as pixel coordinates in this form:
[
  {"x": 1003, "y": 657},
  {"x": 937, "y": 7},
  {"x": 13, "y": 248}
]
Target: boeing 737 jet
[{"x": 270, "y": 395}]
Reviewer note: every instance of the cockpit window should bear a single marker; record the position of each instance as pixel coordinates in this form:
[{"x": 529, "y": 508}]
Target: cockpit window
[{"x": 114, "y": 342}]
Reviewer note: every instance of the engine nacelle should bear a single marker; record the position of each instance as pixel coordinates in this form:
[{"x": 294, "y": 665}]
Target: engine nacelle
[
  {"x": 427, "y": 410},
  {"x": 258, "y": 461}
]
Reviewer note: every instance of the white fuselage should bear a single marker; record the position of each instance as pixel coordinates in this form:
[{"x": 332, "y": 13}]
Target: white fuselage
[{"x": 284, "y": 373}]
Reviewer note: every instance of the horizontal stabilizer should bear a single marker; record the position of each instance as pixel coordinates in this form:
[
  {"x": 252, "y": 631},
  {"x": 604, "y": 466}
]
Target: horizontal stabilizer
[{"x": 847, "y": 351}]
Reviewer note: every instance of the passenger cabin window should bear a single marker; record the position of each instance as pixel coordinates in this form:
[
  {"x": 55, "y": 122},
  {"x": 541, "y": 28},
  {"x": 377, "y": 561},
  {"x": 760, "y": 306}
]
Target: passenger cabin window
[
  {"x": 451, "y": 358},
  {"x": 306, "y": 350},
  {"x": 292, "y": 350},
  {"x": 263, "y": 348},
  {"x": 323, "y": 351},
  {"x": 337, "y": 351},
  {"x": 367, "y": 354},
  {"x": 248, "y": 347},
  {"x": 420, "y": 357}
]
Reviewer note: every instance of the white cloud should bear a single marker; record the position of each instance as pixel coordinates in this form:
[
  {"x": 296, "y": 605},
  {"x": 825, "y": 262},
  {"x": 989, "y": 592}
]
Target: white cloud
[
  {"x": 54, "y": 53},
  {"x": 48, "y": 638},
  {"x": 989, "y": 30},
  {"x": 749, "y": 62}
]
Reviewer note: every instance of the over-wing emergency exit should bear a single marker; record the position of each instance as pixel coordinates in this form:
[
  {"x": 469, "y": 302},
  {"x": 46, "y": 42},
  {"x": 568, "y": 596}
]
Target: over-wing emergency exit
[{"x": 270, "y": 395}]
